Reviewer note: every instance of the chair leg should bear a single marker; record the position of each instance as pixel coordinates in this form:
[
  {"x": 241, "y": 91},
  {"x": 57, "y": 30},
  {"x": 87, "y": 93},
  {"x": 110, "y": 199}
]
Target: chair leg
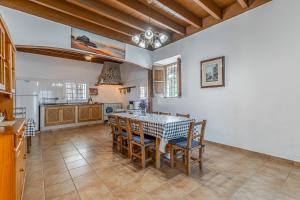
[
  {"x": 143, "y": 157},
  {"x": 129, "y": 149},
  {"x": 200, "y": 159},
  {"x": 172, "y": 156},
  {"x": 188, "y": 162}
]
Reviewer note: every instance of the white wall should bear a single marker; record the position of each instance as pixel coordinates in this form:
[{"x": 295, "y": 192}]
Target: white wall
[
  {"x": 259, "y": 108},
  {"x": 133, "y": 75},
  {"x": 26, "y": 29}
]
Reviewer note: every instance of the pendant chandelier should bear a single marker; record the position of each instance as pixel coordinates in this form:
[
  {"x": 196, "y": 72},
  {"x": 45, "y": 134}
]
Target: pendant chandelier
[{"x": 150, "y": 38}]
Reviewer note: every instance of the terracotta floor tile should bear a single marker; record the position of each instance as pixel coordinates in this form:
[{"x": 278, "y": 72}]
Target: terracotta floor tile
[
  {"x": 57, "y": 178},
  {"x": 54, "y": 191},
  {"x": 81, "y": 171},
  {"x": 75, "y": 164}
]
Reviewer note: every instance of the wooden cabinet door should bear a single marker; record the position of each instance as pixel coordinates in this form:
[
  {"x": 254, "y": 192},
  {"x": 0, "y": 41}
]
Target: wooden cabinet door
[
  {"x": 83, "y": 113},
  {"x": 68, "y": 114},
  {"x": 53, "y": 116},
  {"x": 96, "y": 112},
  {"x": 20, "y": 168},
  {"x": 2, "y": 58}
]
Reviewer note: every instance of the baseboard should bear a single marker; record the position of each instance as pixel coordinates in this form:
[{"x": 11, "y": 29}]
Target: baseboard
[{"x": 267, "y": 156}]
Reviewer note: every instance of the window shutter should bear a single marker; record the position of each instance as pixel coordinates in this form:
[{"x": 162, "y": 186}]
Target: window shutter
[
  {"x": 179, "y": 76},
  {"x": 158, "y": 80}
]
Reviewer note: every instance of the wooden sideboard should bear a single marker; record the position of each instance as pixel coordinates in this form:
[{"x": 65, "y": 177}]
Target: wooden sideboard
[
  {"x": 12, "y": 139},
  {"x": 89, "y": 113},
  {"x": 12, "y": 161},
  {"x": 57, "y": 115},
  {"x": 7, "y": 71}
]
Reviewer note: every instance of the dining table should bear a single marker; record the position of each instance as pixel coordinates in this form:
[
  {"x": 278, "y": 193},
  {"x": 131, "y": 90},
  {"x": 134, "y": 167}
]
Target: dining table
[{"x": 162, "y": 127}]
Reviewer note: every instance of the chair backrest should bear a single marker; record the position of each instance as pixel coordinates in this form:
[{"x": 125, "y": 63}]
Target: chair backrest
[
  {"x": 182, "y": 115},
  {"x": 122, "y": 124},
  {"x": 164, "y": 113},
  {"x": 113, "y": 122},
  {"x": 196, "y": 134},
  {"x": 135, "y": 128}
]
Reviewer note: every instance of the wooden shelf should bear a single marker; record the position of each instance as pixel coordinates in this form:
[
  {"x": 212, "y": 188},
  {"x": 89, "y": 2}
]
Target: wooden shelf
[
  {"x": 126, "y": 89},
  {"x": 5, "y": 92}
]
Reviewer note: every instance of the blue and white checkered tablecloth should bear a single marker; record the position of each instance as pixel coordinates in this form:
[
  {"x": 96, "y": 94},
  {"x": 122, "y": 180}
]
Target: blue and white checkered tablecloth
[
  {"x": 30, "y": 128},
  {"x": 161, "y": 126}
]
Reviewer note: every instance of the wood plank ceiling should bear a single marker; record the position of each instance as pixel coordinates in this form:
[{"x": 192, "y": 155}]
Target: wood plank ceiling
[{"x": 121, "y": 19}]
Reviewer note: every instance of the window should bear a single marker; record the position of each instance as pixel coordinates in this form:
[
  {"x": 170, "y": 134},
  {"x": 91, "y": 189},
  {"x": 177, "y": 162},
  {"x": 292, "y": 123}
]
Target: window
[
  {"x": 142, "y": 92},
  {"x": 167, "y": 79},
  {"x": 76, "y": 91},
  {"x": 171, "y": 80}
]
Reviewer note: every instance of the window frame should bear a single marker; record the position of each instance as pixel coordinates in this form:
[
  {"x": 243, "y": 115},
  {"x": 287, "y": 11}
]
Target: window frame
[{"x": 165, "y": 81}]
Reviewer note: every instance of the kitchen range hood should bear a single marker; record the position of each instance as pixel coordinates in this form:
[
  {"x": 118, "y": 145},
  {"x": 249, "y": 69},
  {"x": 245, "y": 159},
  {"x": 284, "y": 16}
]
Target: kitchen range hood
[{"x": 110, "y": 74}]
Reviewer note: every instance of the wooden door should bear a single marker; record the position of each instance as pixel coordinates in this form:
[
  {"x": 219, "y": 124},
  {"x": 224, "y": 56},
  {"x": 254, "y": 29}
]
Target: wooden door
[
  {"x": 96, "y": 112},
  {"x": 53, "y": 116},
  {"x": 68, "y": 114},
  {"x": 83, "y": 113}
]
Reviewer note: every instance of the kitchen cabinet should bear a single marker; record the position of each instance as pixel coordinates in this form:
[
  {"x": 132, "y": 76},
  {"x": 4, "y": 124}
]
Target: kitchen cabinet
[
  {"x": 2, "y": 57},
  {"x": 89, "y": 113},
  {"x": 96, "y": 112},
  {"x": 59, "y": 115},
  {"x": 7, "y": 71},
  {"x": 13, "y": 153}
]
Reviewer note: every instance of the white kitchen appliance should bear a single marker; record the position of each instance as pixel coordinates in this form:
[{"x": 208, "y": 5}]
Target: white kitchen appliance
[
  {"x": 27, "y": 96},
  {"x": 111, "y": 108}
]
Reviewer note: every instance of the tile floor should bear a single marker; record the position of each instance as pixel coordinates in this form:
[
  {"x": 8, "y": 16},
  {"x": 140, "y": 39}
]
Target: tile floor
[{"x": 79, "y": 163}]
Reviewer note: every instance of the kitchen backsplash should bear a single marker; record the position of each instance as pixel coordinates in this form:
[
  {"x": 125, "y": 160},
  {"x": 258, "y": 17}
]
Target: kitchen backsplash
[{"x": 54, "y": 91}]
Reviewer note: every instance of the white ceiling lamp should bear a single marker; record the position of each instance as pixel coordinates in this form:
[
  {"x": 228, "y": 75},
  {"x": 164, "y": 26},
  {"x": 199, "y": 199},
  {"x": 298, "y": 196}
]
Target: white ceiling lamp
[{"x": 150, "y": 38}]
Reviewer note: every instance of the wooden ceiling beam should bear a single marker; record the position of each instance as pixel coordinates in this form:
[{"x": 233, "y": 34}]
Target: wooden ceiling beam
[
  {"x": 149, "y": 12},
  {"x": 111, "y": 13},
  {"x": 185, "y": 14},
  {"x": 86, "y": 15},
  {"x": 210, "y": 7},
  {"x": 243, "y": 3},
  {"x": 50, "y": 14},
  {"x": 64, "y": 53}
]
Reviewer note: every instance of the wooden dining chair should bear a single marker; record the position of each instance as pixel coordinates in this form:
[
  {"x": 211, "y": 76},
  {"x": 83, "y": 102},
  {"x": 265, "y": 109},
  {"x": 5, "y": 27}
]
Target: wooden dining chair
[
  {"x": 139, "y": 144},
  {"x": 113, "y": 123},
  {"x": 194, "y": 141},
  {"x": 123, "y": 134},
  {"x": 164, "y": 113},
  {"x": 182, "y": 115}
]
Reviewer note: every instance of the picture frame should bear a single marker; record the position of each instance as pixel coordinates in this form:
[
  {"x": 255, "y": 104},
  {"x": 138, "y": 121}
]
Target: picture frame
[
  {"x": 93, "y": 91},
  {"x": 97, "y": 44},
  {"x": 212, "y": 72}
]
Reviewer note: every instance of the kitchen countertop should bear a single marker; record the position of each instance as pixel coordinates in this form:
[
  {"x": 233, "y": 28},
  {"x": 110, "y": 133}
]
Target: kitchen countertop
[
  {"x": 69, "y": 104},
  {"x": 15, "y": 128}
]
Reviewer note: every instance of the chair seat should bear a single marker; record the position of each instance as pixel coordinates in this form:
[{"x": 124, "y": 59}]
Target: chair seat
[
  {"x": 137, "y": 139},
  {"x": 124, "y": 134},
  {"x": 177, "y": 140},
  {"x": 182, "y": 142}
]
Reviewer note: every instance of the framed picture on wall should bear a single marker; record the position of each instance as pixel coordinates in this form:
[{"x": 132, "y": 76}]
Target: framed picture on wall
[
  {"x": 213, "y": 72},
  {"x": 93, "y": 91}
]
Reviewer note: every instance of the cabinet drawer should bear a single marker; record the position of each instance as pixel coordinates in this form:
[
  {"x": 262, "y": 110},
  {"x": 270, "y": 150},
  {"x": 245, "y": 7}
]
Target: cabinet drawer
[{"x": 19, "y": 137}]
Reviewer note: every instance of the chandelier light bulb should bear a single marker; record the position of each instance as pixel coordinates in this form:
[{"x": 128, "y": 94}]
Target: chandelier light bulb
[
  {"x": 149, "y": 34},
  {"x": 157, "y": 44},
  {"x": 142, "y": 44},
  {"x": 163, "y": 37},
  {"x": 136, "y": 39}
]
